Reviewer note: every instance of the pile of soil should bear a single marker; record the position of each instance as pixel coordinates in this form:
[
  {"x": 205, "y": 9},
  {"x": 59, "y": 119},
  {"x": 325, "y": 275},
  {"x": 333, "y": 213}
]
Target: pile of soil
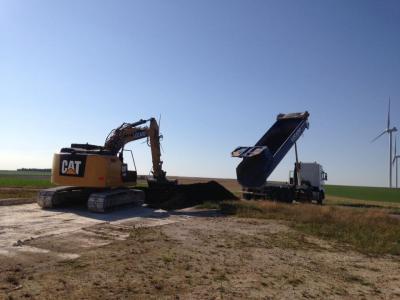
[{"x": 187, "y": 195}]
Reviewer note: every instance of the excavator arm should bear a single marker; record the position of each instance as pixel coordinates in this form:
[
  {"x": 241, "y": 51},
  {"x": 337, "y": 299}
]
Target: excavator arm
[{"x": 128, "y": 132}]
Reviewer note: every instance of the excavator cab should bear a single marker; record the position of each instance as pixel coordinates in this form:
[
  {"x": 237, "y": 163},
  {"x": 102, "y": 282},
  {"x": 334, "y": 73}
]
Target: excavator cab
[{"x": 128, "y": 176}]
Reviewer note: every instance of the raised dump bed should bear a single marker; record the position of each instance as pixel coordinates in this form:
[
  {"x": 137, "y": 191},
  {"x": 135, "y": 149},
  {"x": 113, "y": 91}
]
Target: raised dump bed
[{"x": 261, "y": 160}]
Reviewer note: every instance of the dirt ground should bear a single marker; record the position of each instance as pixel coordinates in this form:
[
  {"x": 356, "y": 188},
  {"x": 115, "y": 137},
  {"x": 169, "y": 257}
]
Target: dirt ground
[{"x": 140, "y": 253}]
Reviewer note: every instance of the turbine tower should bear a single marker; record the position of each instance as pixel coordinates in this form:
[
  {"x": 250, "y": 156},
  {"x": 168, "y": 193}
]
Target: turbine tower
[
  {"x": 395, "y": 158},
  {"x": 390, "y": 132}
]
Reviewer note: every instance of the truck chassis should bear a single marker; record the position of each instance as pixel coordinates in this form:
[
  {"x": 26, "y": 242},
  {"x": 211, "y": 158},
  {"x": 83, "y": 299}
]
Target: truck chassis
[{"x": 284, "y": 192}]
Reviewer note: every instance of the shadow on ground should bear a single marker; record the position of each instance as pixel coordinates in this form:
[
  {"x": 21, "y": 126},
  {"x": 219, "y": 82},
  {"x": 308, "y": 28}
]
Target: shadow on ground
[
  {"x": 131, "y": 211},
  {"x": 357, "y": 205}
]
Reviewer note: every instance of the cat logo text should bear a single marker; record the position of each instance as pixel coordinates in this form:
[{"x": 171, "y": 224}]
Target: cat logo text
[{"x": 72, "y": 166}]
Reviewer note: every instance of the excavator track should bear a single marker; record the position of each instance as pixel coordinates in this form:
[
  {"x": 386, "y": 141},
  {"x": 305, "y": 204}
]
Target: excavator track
[
  {"x": 59, "y": 196},
  {"x": 97, "y": 201},
  {"x": 105, "y": 201}
]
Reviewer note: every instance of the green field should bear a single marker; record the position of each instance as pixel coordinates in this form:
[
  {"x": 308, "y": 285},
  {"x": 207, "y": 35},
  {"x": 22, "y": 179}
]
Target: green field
[
  {"x": 24, "y": 179},
  {"x": 24, "y": 182},
  {"x": 23, "y": 173},
  {"x": 364, "y": 193}
]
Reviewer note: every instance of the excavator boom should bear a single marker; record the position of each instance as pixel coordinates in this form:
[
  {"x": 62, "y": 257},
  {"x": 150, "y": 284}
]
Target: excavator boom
[{"x": 129, "y": 132}]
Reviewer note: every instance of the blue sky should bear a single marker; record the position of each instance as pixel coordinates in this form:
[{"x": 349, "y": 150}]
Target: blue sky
[{"x": 217, "y": 71}]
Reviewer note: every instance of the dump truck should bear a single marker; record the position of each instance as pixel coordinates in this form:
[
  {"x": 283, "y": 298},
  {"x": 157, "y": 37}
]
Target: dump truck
[{"x": 306, "y": 181}]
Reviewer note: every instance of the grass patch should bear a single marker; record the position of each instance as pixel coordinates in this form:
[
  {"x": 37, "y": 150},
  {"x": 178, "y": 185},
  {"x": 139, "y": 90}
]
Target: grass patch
[
  {"x": 167, "y": 258},
  {"x": 364, "y": 193},
  {"x": 17, "y": 193},
  {"x": 208, "y": 205},
  {"x": 10, "y": 181},
  {"x": 368, "y": 231},
  {"x": 24, "y": 173}
]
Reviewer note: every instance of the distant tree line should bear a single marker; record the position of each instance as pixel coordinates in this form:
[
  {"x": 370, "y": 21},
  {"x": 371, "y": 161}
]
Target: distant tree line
[{"x": 34, "y": 170}]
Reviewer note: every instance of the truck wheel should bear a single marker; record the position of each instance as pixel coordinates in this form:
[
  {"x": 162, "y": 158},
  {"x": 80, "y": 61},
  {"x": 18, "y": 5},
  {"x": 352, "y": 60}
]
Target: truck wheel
[
  {"x": 290, "y": 194},
  {"x": 309, "y": 195},
  {"x": 278, "y": 195},
  {"x": 286, "y": 197},
  {"x": 321, "y": 198},
  {"x": 246, "y": 196}
]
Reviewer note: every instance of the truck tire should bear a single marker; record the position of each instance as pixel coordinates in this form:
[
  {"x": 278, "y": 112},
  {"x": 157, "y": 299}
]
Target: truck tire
[
  {"x": 246, "y": 196},
  {"x": 286, "y": 195},
  {"x": 290, "y": 196},
  {"x": 278, "y": 194},
  {"x": 309, "y": 194},
  {"x": 321, "y": 197}
]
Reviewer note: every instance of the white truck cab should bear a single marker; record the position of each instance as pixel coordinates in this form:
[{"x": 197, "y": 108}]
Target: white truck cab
[
  {"x": 314, "y": 174},
  {"x": 311, "y": 174}
]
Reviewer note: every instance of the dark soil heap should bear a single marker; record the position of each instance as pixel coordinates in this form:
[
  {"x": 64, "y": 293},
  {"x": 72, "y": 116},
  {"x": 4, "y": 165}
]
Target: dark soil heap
[{"x": 187, "y": 195}]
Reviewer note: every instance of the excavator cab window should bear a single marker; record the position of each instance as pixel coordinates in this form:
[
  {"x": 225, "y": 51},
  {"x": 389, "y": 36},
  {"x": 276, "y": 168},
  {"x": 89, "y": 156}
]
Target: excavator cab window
[{"x": 127, "y": 175}]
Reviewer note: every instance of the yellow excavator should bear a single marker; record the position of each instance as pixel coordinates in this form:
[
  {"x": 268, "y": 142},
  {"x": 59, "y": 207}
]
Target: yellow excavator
[{"x": 99, "y": 173}]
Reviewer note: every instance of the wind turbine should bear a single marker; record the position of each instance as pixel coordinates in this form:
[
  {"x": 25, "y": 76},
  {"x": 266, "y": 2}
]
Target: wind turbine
[
  {"x": 390, "y": 132},
  {"x": 395, "y": 158}
]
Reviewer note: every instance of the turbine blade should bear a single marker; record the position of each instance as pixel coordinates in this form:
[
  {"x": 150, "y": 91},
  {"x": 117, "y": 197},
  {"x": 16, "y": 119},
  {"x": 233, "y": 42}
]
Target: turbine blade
[
  {"x": 388, "y": 118},
  {"x": 378, "y": 136}
]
